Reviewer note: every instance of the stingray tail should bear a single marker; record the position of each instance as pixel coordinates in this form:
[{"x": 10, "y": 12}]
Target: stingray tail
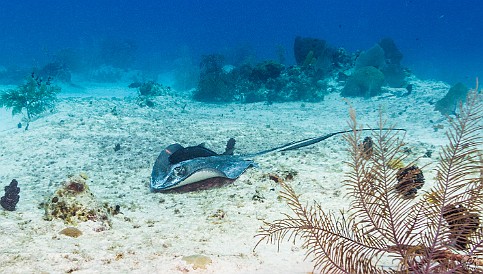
[{"x": 311, "y": 141}]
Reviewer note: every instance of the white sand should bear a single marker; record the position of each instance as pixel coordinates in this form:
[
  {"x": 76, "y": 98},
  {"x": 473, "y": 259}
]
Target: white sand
[{"x": 156, "y": 230}]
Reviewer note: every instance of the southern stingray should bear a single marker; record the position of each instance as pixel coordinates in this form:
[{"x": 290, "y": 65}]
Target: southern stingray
[{"x": 184, "y": 169}]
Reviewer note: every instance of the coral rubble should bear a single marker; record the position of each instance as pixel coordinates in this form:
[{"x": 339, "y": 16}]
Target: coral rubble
[{"x": 73, "y": 202}]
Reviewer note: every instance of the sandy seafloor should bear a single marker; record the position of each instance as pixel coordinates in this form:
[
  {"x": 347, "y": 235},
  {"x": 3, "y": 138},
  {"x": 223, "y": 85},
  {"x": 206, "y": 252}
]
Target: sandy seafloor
[{"x": 155, "y": 230}]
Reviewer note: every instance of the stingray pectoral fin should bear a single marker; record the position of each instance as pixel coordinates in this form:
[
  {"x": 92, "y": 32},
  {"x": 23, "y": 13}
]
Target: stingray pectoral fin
[{"x": 234, "y": 169}]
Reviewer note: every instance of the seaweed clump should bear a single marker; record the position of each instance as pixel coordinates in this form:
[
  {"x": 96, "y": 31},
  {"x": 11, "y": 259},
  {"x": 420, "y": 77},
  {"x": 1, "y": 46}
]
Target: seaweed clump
[
  {"x": 439, "y": 231},
  {"x": 35, "y": 96}
]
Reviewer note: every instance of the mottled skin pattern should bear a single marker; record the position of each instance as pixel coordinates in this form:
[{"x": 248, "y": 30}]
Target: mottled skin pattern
[{"x": 196, "y": 167}]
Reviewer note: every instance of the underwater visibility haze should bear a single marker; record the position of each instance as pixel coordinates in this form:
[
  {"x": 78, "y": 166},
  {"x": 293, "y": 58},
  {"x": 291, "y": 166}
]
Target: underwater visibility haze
[
  {"x": 241, "y": 136},
  {"x": 440, "y": 40}
]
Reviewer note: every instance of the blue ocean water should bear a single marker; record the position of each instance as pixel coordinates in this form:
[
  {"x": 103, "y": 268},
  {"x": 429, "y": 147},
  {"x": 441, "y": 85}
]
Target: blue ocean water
[{"x": 439, "y": 39}]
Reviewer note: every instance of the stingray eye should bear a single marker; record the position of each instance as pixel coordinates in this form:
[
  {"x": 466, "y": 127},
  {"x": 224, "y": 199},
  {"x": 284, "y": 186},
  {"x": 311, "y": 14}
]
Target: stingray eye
[{"x": 179, "y": 171}]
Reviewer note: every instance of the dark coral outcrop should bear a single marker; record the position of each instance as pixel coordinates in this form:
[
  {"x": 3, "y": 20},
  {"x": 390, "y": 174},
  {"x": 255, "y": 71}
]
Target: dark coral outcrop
[
  {"x": 364, "y": 82},
  {"x": 11, "y": 197},
  {"x": 448, "y": 104}
]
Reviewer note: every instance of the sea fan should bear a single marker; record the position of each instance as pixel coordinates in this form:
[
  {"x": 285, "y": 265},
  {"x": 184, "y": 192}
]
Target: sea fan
[{"x": 437, "y": 231}]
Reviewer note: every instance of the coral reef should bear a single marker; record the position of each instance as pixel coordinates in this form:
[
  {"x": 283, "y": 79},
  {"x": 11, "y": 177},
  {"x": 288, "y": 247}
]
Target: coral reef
[
  {"x": 73, "y": 202},
  {"x": 449, "y": 103},
  {"x": 35, "y": 96},
  {"x": 271, "y": 81},
  {"x": 317, "y": 65},
  {"x": 365, "y": 82},
  {"x": 386, "y": 57},
  {"x": 318, "y": 57},
  {"x": 11, "y": 197},
  {"x": 312, "y": 51},
  {"x": 296, "y": 84},
  {"x": 265, "y": 71},
  {"x": 266, "y": 81},
  {"x": 57, "y": 71},
  {"x": 215, "y": 84},
  {"x": 394, "y": 75},
  {"x": 392, "y": 54},
  {"x": 436, "y": 232},
  {"x": 373, "y": 57}
]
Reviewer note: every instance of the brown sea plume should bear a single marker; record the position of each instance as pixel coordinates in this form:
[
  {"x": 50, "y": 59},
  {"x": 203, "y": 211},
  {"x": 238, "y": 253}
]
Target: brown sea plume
[{"x": 436, "y": 230}]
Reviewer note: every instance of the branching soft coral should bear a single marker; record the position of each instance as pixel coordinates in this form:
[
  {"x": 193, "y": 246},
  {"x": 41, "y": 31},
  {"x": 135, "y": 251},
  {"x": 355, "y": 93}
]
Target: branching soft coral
[
  {"x": 439, "y": 231},
  {"x": 35, "y": 96}
]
